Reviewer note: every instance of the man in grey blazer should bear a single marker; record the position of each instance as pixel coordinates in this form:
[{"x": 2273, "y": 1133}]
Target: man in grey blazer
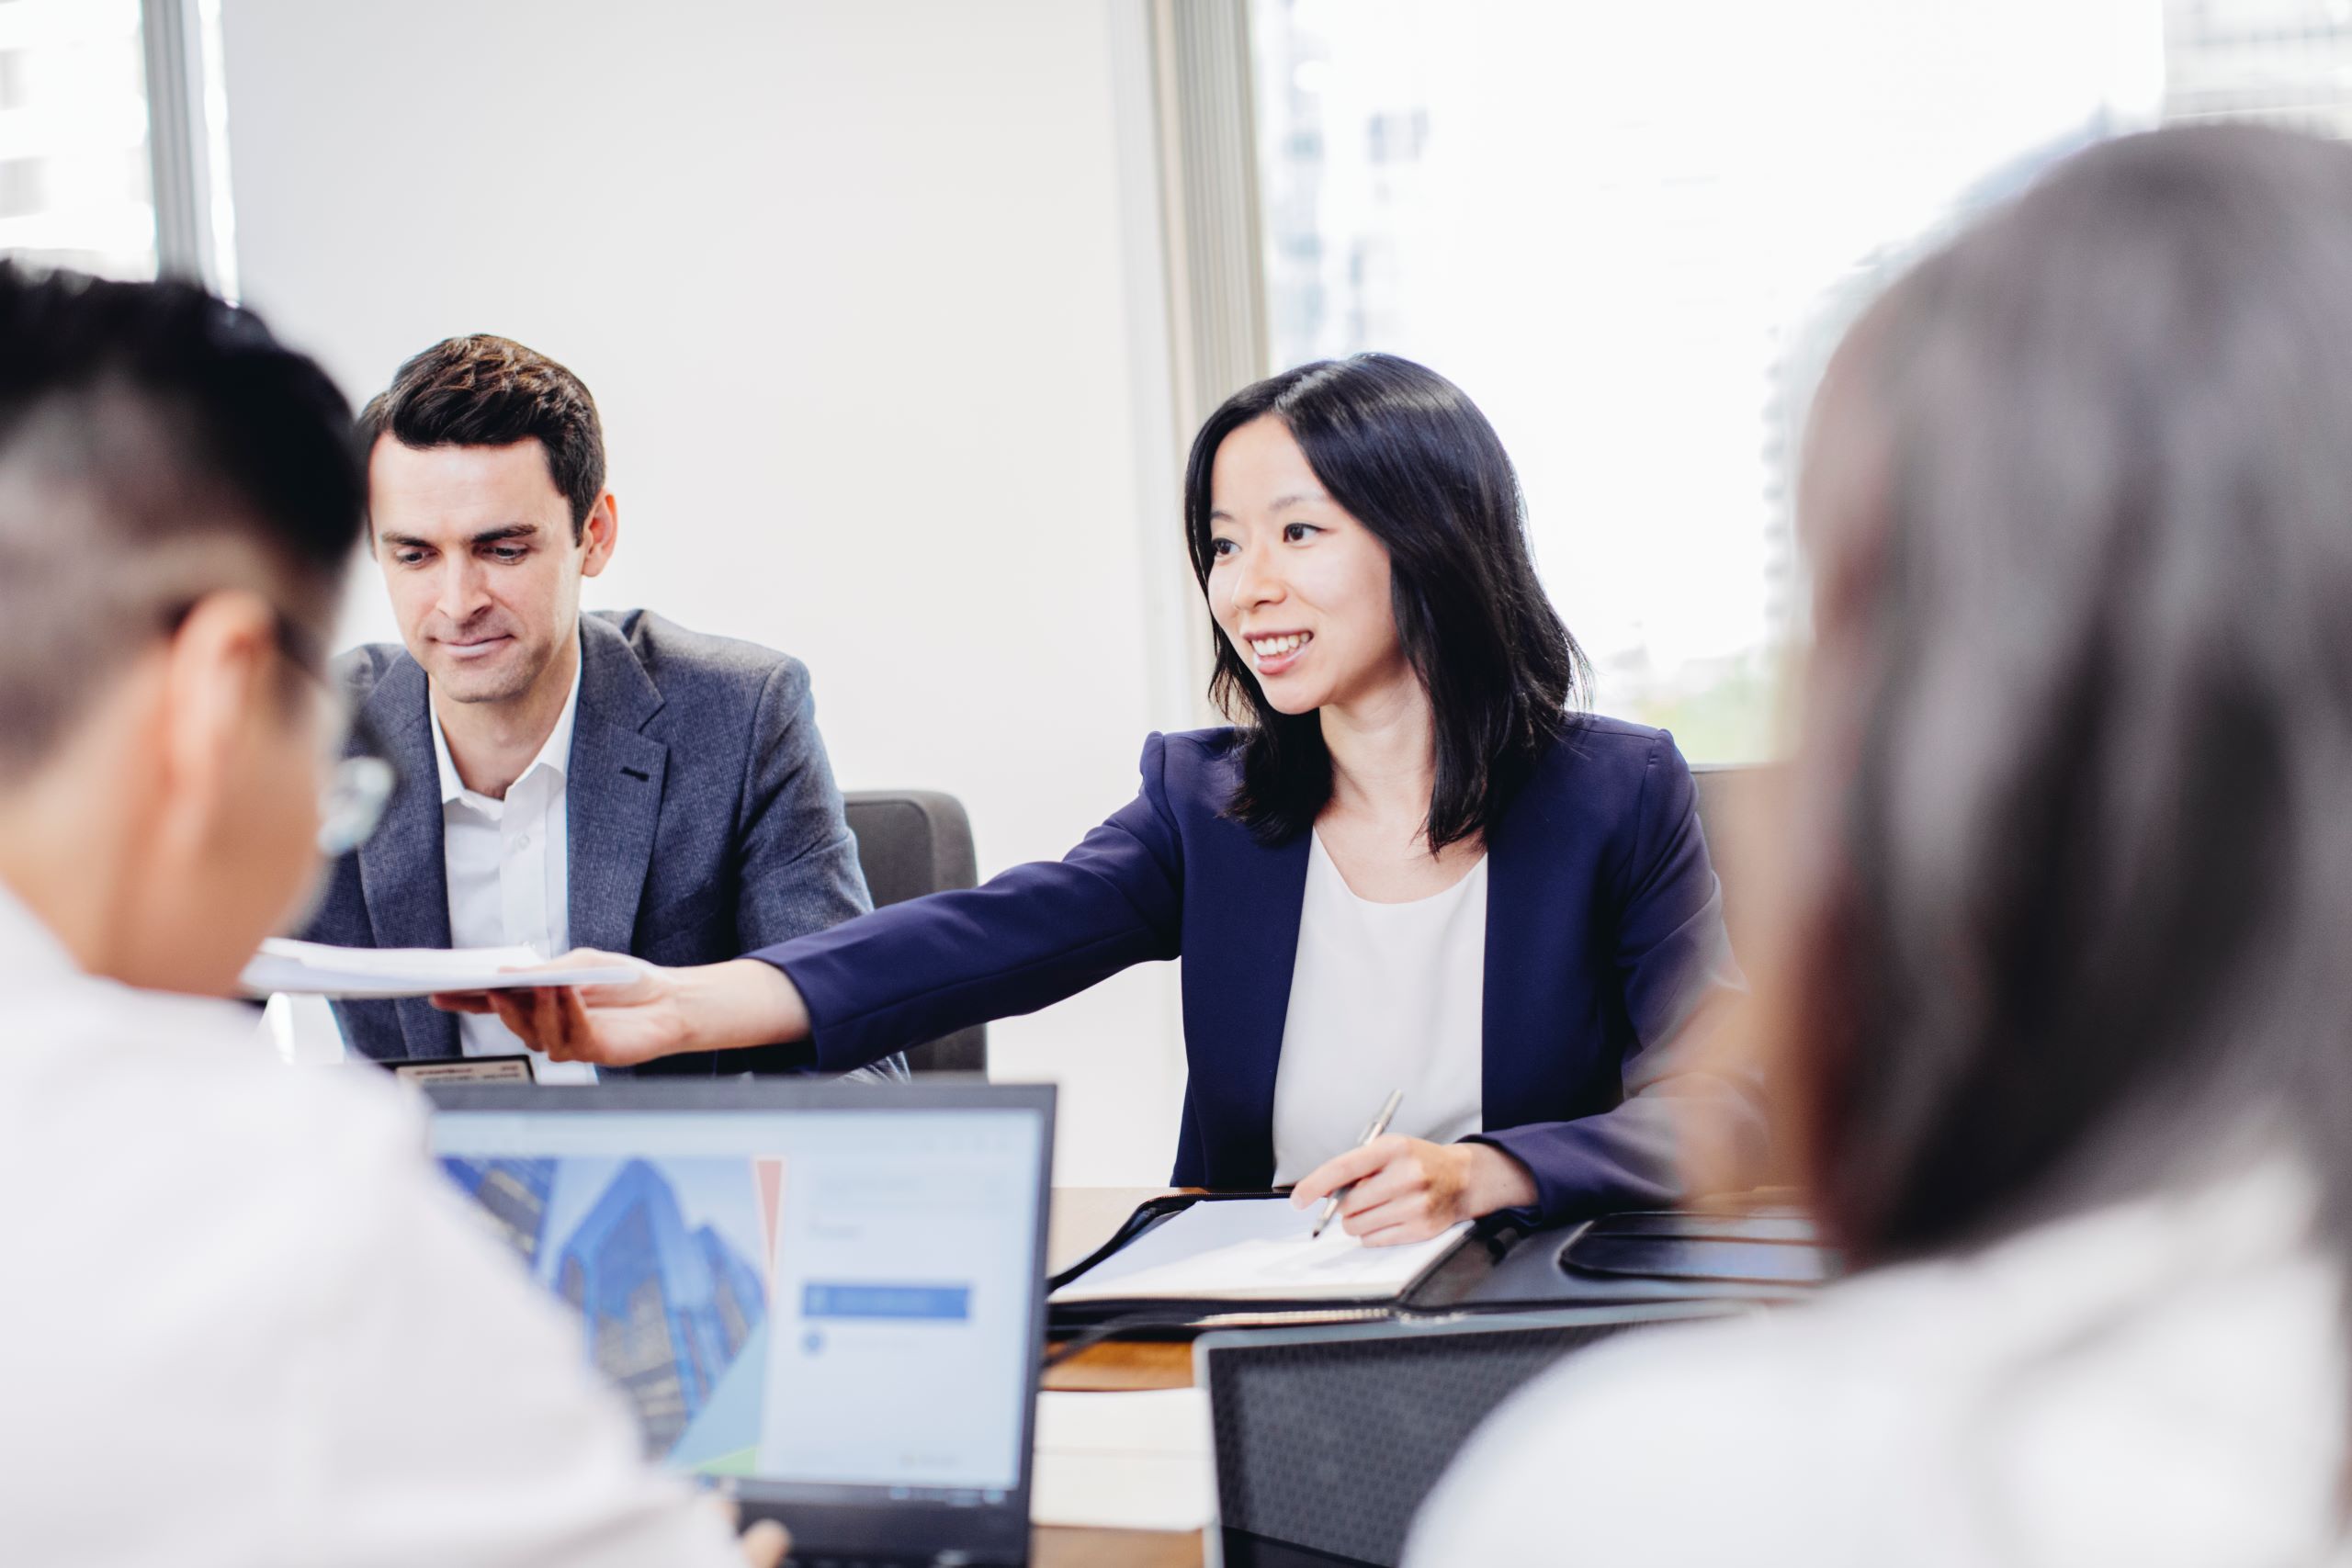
[{"x": 605, "y": 780}]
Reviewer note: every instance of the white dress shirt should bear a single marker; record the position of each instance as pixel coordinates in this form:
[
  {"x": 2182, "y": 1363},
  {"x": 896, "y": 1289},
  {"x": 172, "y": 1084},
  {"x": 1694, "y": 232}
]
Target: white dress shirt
[
  {"x": 508, "y": 864},
  {"x": 1382, "y": 996},
  {"x": 2160, "y": 1384},
  {"x": 248, "y": 1325}
]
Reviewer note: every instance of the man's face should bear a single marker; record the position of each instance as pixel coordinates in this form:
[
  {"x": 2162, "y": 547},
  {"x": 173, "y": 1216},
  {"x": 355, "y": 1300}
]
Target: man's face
[{"x": 476, "y": 544}]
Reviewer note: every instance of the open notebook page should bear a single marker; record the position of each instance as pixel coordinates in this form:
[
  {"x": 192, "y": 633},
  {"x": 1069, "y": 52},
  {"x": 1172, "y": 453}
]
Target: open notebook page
[{"x": 1254, "y": 1249}]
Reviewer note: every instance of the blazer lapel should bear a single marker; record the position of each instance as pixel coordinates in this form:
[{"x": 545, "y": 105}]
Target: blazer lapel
[
  {"x": 403, "y": 878},
  {"x": 613, "y": 794},
  {"x": 1245, "y": 952},
  {"x": 1523, "y": 1014}
]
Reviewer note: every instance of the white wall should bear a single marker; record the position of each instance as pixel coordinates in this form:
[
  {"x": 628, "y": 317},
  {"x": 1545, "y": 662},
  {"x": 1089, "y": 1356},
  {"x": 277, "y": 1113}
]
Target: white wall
[{"x": 867, "y": 293}]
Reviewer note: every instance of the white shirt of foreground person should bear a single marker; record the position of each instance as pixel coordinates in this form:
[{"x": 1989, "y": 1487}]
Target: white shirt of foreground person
[
  {"x": 509, "y": 868},
  {"x": 2161, "y": 1384},
  {"x": 247, "y": 1326}
]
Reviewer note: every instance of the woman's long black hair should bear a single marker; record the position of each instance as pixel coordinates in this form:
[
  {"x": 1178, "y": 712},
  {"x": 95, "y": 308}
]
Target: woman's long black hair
[{"x": 1402, "y": 450}]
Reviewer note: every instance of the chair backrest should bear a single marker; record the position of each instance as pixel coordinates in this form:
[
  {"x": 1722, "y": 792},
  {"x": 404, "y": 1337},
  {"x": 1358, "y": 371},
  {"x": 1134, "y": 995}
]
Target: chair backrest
[
  {"x": 1737, "y": 810},
  {"x": 1731, "y": 800},
  {"x": 911, "y": 842}
]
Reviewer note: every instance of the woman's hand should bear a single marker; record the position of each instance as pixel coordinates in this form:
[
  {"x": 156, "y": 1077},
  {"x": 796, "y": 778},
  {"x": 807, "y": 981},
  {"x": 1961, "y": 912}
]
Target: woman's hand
[
  {"x": 1409, "y": 1189},
  {"x": 630, "y": 1022},
  {"x": 711, "y": 1007}
]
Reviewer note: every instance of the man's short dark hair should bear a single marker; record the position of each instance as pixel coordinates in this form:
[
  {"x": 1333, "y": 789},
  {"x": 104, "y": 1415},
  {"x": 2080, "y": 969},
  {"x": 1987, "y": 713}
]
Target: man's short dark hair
[
  {"x": 156, "y": 445},
  {"x": 480, "y": 390}
]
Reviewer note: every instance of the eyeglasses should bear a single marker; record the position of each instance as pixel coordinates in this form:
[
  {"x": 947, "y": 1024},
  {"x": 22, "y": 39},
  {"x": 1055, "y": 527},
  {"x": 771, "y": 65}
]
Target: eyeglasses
[
  {"x": 351, "y": 805},
  {"x": 360, "y": 784}
]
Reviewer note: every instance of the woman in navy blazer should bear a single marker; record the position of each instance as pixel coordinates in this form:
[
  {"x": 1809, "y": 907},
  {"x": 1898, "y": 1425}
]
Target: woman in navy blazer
[{"x": 1410, "y": 696}]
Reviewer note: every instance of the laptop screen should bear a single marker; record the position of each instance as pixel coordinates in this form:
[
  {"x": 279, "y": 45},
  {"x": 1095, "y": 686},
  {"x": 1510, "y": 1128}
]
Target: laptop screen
[{"x": 826, "y": 1298}]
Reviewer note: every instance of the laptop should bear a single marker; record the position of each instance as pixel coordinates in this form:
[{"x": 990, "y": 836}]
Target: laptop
[
  {"x": 1329, "y": 1439},
  {"x": 825, "y": 1298}
]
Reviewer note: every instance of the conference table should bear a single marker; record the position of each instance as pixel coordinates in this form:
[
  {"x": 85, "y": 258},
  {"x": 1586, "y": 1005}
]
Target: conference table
[{"x": 1083, "y": 1218}]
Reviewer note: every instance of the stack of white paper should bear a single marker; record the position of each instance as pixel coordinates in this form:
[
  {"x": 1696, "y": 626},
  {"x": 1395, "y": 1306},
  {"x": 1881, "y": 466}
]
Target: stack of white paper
[
  {"x": 1254, "y": 1249},
  {"x": 316, "y": 969},
  {"x": 1136, "y": 1462}
]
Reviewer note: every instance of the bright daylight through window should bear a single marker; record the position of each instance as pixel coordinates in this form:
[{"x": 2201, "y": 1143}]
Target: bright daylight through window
[
  {"x": 75, "y": 171},
  {"x": 1631, "y": 233}
]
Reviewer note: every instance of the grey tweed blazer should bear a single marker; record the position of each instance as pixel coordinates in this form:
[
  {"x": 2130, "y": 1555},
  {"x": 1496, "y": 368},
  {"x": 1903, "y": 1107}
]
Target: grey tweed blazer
[{"x": 703, "y": 822}]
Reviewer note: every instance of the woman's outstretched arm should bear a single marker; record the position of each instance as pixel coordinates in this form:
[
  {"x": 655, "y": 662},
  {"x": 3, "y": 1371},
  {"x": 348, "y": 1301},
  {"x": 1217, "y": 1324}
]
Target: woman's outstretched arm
[{"x": 912, "y": 972}]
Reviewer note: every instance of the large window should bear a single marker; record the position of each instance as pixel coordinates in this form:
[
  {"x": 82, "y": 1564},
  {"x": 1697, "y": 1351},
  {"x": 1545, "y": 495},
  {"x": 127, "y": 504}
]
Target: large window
[
  {"x": 113, "y": 152},
  {"x": 74, "y": 170},
  {"x": 1632, "y": 230}
]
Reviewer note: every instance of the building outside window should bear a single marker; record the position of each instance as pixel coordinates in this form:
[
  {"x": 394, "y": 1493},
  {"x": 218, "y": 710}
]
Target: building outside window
[
  {"x": 114, "y": 138},
  {"x": 74, "y": 163},
  {"x": 1631, "y": 231}
]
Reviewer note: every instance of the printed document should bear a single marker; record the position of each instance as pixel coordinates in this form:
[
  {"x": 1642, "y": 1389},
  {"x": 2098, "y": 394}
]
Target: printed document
[
  {"x": 316, "y": 969},
  {"x": 1255, "y": 1249}
]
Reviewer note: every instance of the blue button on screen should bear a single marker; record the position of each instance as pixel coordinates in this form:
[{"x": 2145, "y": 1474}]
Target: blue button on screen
[{"x": 941, "y": 1303}]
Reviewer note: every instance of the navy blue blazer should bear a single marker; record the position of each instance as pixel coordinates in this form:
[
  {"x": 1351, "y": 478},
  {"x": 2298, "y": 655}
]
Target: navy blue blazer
[
  {"x": 703, "y": 819},
  {"x": 1604, "y": 935}
]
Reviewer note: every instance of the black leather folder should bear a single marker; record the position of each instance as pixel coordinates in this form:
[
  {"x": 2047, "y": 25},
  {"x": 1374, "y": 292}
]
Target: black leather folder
[{"x": 1755, "y": 1252}]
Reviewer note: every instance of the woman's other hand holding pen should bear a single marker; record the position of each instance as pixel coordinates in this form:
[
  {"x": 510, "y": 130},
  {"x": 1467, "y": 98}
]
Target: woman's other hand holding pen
[{"x": 1408, "y": 1188}]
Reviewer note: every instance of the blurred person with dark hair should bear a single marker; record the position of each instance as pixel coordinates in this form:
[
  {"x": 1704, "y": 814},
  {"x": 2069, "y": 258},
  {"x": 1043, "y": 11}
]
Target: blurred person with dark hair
[
  {"x": 1414, "y": 864},
  {"x": 246, "y": 1321},
  {"x": 2064, "y": 1004},
  {"x": 544, "y": 753}
]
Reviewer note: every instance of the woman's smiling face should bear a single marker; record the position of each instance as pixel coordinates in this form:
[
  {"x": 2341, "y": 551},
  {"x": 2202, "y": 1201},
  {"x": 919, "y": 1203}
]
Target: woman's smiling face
[{"x": 1302, "y": 589}]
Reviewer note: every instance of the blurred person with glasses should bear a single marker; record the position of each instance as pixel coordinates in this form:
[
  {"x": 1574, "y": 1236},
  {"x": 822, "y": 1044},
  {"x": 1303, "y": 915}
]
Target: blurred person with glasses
[
  {"x": 246, "y": 1321},
  {"x": 357, "y": 779}
]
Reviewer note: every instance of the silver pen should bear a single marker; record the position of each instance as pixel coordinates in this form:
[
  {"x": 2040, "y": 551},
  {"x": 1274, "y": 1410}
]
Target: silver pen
[{"x": 1379, "y": 1125}]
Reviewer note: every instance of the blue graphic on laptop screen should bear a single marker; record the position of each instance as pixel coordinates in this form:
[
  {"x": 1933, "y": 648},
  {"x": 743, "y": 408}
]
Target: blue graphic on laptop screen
[{"x": 666, "y": 1261}]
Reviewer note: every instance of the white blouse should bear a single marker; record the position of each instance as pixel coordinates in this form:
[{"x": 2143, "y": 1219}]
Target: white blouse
[{"x": 1382, "y": 996}]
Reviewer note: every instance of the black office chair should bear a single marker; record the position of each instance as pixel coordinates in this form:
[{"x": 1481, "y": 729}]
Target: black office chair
[{"x": 909, "y": 843}]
